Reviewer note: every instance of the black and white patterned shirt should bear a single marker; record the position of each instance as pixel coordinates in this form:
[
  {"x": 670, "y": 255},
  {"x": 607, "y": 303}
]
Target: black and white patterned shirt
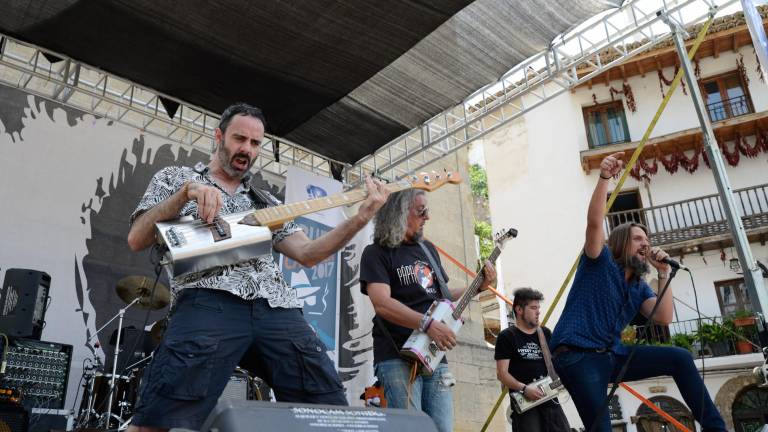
[{"x": 257, "y": 277}]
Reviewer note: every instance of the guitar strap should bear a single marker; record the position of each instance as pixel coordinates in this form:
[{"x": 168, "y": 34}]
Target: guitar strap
[
  {"x": 436, "y": 269},
  {"x": 547, "y": 357},
  {"x": 262, "y": 199}
]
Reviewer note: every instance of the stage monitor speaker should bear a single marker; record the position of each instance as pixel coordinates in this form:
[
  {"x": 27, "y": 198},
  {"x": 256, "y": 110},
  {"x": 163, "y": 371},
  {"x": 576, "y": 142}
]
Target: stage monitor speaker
[
  {"x": 13, "y": 418},
  {"x": 23, "y": 302},
  {"x": 257, "y": 416},
  {"x": 47, "y": 420}
]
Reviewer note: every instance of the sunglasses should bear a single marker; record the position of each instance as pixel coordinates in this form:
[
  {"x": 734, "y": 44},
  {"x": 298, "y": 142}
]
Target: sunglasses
[{"x": 423, "y": 212}]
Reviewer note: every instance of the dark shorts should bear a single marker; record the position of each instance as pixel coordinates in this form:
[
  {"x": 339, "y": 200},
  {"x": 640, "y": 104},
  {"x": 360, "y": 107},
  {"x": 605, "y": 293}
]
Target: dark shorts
[{"x": 213, "y": 331}]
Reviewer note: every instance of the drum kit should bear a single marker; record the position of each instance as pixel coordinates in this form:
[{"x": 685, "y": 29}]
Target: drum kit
[{"x": 110, "y": 395}]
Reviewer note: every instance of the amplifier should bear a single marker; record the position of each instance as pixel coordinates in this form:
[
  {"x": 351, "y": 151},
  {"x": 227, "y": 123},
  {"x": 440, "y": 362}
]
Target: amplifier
[
  {"x": 13, "y": 418},
  {"x": 23, "y": 302},
  {"x": 39, "y": 371},
  {"x": 257, "y": 416},
  {"x": 47, "y": 420}
]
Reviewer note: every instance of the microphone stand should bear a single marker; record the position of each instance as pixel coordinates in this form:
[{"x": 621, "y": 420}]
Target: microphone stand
[
  {"x": 623, "y": 371},
  {"x": 119, "y": 317}
]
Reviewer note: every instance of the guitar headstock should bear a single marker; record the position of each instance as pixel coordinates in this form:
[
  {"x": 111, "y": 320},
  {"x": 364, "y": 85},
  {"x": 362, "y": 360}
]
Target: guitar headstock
[
  {"x": 433, "y": 180},
  {"x": 504, "y": 235}
]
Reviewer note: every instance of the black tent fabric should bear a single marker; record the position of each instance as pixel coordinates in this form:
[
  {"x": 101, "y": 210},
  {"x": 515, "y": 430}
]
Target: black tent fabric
[{"x": 341, "y": 78}]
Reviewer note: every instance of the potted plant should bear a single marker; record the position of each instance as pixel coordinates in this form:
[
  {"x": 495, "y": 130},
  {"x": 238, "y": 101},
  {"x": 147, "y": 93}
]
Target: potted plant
[
  {"x": 683, "y": 340},
  {"x": 743, "y": 318},
  {"x": 714, "y": 336},
  {"x": 743, "y": 345}
]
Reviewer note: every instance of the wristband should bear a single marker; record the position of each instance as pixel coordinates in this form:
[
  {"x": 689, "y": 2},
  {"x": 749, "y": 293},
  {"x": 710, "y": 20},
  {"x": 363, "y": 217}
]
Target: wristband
[
  {"x": 522, "y": 390},
  {"x": 604, "y": 178},
  {"x": 429, "y": 323},
  {"x": 425, "y": 322}
]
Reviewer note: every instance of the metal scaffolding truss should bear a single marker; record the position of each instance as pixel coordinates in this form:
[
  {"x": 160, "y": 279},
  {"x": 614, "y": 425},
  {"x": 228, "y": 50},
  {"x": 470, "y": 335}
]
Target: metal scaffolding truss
[
  {"x": 596, "y": 47},
  {"x": 67, "y": 81}
]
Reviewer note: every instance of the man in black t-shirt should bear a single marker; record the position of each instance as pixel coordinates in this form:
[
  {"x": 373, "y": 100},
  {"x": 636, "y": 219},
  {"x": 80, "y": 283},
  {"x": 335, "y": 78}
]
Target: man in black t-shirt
[
  {"x": 519, "y": 361},
  {"x": 397, "y": 276}
]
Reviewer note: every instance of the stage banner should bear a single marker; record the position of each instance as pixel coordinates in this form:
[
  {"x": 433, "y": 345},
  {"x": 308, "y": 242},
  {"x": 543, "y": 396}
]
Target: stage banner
[
  {"x": 317, "y": 287},
  {"x": 330, "y": 291}
]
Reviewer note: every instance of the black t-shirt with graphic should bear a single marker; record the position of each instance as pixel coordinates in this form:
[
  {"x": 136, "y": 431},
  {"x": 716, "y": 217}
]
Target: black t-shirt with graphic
[
  {"x": 412, "y": 282},
  {"x": 526, "y": 362}
]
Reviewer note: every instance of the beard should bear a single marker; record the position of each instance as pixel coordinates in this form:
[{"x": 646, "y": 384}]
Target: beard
[
  {"x": 638, "y": 266},
  {"x": 225, "y": 160}
]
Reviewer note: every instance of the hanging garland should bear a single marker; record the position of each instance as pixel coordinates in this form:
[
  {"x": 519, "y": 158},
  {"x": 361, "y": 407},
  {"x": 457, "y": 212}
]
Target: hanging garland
[
  {"x": 677, "y": 158},
  {"x": 758, "y": 69},
  {"x": 663, "y": 80},
  {"x": 696, "y": 68},
  {"x": 742, "y": 70},
  {"x": 691, "y": 164},
  {"x": 626, "y": 90}
]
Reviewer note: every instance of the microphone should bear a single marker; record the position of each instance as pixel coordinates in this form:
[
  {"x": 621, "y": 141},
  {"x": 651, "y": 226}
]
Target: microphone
[{"x": 676, "y": 265}]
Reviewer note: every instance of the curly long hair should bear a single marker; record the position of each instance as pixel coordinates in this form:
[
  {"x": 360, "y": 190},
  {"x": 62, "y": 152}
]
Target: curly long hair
[{"x": 392, "y": 218}]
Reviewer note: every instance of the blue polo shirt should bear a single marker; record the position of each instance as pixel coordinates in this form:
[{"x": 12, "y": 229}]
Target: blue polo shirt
[{"x": 600, "y": 304}]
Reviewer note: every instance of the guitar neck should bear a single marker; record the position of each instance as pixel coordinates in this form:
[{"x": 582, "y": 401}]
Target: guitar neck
[
  {"x": 278, "y": 215},
  {"x": 473, "y": 287}
]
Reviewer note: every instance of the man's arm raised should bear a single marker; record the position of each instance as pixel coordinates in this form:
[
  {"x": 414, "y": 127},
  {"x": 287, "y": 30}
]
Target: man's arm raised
[
  {"x": 595, "y": 237},
  {"x": 310, "y": 252}
]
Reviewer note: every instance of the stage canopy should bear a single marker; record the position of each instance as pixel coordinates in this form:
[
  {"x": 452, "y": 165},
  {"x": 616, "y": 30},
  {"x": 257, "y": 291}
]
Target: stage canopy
[{"x": 341, "y": 78}]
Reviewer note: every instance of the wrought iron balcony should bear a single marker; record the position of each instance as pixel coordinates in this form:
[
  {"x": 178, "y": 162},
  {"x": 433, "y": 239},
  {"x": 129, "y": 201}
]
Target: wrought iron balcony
[
  {"x": 697, "y": 220},
  {"x": 714, "y": 336},
  {"x": 729, "y": 108}
]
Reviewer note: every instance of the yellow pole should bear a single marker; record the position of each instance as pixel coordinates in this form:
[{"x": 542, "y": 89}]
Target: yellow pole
[{"x": 632, "y": 161}]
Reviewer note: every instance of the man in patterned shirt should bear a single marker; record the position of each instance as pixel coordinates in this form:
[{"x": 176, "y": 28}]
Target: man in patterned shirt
[
  {"x": 607, "y": 292},
  {"x": 222, "y": 313}
]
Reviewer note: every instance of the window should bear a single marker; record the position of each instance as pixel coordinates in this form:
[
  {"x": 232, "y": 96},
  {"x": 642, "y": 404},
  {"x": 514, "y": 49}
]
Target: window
[
  {"x": 733, "y": 296},
  {"x": 626, "y": 208},
  {"x": 606, "y": 124},
  {"x": 750, "y": 409},
  {"x": 726, "y": 96},
  {"x": 648, "y": 421}
]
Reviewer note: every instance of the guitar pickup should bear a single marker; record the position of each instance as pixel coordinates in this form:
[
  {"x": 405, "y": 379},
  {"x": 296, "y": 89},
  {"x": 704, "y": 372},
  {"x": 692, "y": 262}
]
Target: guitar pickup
[
  {"x": 220, "y": 230},
  {"x": 175, "y": 237}
]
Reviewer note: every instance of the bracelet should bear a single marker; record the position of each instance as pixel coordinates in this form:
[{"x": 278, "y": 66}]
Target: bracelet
[
  {"x": 429, "y": 323},
  {"x": 426, "y": 320},
  {"x": 605, "y": 178},
  {"x": 522, "y": 390}
]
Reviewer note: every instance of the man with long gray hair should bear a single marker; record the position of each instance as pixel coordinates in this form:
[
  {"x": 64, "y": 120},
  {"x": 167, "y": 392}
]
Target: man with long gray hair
[{"x": 397, "y": 276}]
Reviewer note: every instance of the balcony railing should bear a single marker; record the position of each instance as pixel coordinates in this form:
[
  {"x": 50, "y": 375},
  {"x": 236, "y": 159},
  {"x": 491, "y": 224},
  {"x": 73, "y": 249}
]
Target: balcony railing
[
  {"x": 729, "y": 108},
  {"x": 718, "y": 338},
  {"x": 695, "y": 218}
]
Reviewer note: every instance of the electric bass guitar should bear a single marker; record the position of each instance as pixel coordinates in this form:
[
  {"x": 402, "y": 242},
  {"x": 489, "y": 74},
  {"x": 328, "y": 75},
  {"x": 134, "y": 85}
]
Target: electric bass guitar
[
  {"x": 192, "y": 245},
  {"x": 420, "y": 346}
]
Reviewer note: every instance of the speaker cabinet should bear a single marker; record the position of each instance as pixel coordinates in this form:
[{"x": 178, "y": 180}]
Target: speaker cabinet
[
  {"x": 23, "y": 302},
  {"x": 13, "y": 418},
  {"x": 257, "y": 416}
]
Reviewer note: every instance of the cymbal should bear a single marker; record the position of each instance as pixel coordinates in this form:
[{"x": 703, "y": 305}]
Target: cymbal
[
  {"x": 130, "y": 288},
  {"x": 158, "y": 330}
]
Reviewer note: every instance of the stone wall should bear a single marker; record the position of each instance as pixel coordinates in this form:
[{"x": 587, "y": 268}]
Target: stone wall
[{"x": 451, "y": 228}]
